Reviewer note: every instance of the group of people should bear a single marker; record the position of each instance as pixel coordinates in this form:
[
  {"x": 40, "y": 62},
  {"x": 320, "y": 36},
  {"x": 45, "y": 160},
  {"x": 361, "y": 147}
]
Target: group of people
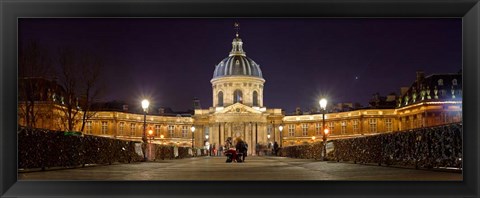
[{"x": 240, "y": 149}]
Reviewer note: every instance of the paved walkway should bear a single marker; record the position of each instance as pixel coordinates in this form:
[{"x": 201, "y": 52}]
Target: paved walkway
[{"x": 255, "y": 168}]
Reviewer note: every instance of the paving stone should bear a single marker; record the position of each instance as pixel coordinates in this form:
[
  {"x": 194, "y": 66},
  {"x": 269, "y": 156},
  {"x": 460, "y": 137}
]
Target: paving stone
[{"x": 255, "y": 168}]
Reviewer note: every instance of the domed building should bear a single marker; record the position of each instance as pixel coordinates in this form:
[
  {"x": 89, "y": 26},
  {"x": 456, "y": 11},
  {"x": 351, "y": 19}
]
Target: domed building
[
  {"x": 238, "y": 110},
  {"x": 237, "y": 79}
]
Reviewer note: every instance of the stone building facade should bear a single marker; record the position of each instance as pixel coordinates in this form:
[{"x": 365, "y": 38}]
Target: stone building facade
[{"x": 238, "y": 111}]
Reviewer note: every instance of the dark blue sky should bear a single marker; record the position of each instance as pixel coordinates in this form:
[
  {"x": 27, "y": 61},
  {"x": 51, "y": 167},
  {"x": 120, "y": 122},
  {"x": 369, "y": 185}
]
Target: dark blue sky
[{"x": 172, "y": 60}]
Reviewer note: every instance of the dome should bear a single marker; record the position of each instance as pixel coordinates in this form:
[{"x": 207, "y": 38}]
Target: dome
[{"x": 237, "y": 65}]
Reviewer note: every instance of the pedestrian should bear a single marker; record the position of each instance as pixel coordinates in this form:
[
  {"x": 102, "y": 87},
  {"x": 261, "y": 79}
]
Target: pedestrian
[
  {"x": 220, "y": 150},
  {"x": 275, "y": 148},
  {"x": 214, "y": 150},
  {"x": 241, "y": 147}
]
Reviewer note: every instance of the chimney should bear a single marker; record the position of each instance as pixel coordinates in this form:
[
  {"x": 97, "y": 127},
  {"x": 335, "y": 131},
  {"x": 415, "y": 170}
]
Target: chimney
[
  {"x": 161, "y": 110},
  {"x": 420, "y": 76},
  {"x": 125, "y": 107},
  {"x": 403, "y": 90}
]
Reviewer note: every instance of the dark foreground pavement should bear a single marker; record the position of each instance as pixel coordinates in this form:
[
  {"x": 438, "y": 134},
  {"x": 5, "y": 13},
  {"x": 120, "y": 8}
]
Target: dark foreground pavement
[{"x": 255, "y": 168}]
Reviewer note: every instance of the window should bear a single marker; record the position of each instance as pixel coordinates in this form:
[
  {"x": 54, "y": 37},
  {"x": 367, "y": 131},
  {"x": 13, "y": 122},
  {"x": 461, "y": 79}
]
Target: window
[
  {"x": 132, "y": 129},
  {"x": 220, "y": 99},
  {"x": 454, "y": 82},
  {"x": 440, "y": 82},
  {"x": 121, "y": 128},
  {"x": 344, "y": 127},
  {"x": 355, "y": 126},
  {"x": 317, "y": 129},
  {"x": 291, "y": 130},
  {"x": 255, "y": 98},
  {"x": 388, "y": 124},
  {"x": 304, "y": 129},
  {"x": 184, "y": 131},
  {"x": 171, "y": 132},
  {"x": 237, "y": 96},
  {"x": 89, "y": 127},
  {"x": 373, "y": 125},
  {"x": 157, "y": 129},
  {"x": 331, "y": 127},
  {"x": 269, "y": 129},
  {"x": 104, "y": 127}
]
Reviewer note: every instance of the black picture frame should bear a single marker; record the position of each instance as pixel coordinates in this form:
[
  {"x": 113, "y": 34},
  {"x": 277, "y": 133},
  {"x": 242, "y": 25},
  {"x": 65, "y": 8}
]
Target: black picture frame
[{"x": 468, "y": 10}]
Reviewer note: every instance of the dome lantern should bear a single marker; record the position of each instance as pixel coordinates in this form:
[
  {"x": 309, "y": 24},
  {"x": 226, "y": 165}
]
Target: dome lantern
[{"x": 237, "y": 63}]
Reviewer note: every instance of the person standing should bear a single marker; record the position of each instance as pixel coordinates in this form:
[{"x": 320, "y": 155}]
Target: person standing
[
  {"x": 275, "y": 148},
  {"x": 220, "y": 149},
  {"x": 214, "y": 150}
]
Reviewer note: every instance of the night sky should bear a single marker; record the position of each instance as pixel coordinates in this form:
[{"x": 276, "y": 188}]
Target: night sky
[{"x": 172, "y": 61}]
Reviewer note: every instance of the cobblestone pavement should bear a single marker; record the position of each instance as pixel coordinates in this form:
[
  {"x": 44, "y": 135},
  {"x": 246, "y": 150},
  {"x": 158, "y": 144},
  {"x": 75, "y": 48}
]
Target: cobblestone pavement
[{"x": 255, "y": 168}]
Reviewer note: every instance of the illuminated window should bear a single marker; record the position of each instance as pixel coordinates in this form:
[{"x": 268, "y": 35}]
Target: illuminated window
[
  {"x": 388, "y": 124},
  {"x": 171, "y": 131},
  {"x": 440, "y": 82},
  {"x": 344, "y": 127},
  {"x": 454, "y": 82},
  {"x": 104, "y": 127},
  {"x": 220, "y": 99},
  {"x": 269, "y": 129},
  {"x": 317, "y": 129},
  {"x": 237, "y": 96},
  {"x": 121, "y": 128},
  {"x": 184, "y": 131},
  {"x": 255, "y": 98},
  {"x": 291, "y": 130},
  {"x": 89, "y": 127},
  {"x": 355, "y": 126},
  {"x": 373, "y": 125},
  {"x": 157, "y": 129},
  {"x": 331, "y": 127},
  {"x": 304, "y": 129},
  {"x": 132, "y": 129}
]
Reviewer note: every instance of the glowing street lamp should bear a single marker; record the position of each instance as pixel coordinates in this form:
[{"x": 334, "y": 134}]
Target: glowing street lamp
[
  {"x": 313, "y": 138},
  {"x": 323, "y": 106},
  {"x": 150, "y": 135}
]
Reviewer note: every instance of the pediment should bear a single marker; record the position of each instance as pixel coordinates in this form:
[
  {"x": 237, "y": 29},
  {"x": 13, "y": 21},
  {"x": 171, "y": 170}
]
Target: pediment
[{"x": 239, "y": 108}]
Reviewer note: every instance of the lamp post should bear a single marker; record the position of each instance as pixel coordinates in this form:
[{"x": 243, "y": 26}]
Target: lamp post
[
  {"x": 161, "y": 137},
  {"x": 323, "y": 106},
  {"x": 281, "y": 130},
  {"x": 207, "y": 144},
  {"x": 268, "y": 137},
  {"x": 313, "y": 138},
  {"x": 193, "y": 131},
  {"x": 145, "y": 104}
]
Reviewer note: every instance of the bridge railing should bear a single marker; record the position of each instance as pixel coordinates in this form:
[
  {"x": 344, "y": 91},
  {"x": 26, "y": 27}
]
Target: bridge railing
[
  {"x": 439, "y": 146},
  {"x": 42, "y": 148}
]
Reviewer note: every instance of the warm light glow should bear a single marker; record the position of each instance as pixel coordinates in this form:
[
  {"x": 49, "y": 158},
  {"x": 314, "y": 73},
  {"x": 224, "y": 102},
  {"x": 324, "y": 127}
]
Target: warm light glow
[
  {"x": 313, "y": 137},
  {"x": 161, "y": 136},
  {"x": 325, "y": 131},
  {"x": 323, "y": 103},
  {"x": 206, "y": 136},
  {"x": 193, "y": 129},
  {"x": 268, "y": 136},
  {"x": 150, "y": 132},
  {"x": 281, "y": 128},
  {"x": 145, "y": 104}
]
